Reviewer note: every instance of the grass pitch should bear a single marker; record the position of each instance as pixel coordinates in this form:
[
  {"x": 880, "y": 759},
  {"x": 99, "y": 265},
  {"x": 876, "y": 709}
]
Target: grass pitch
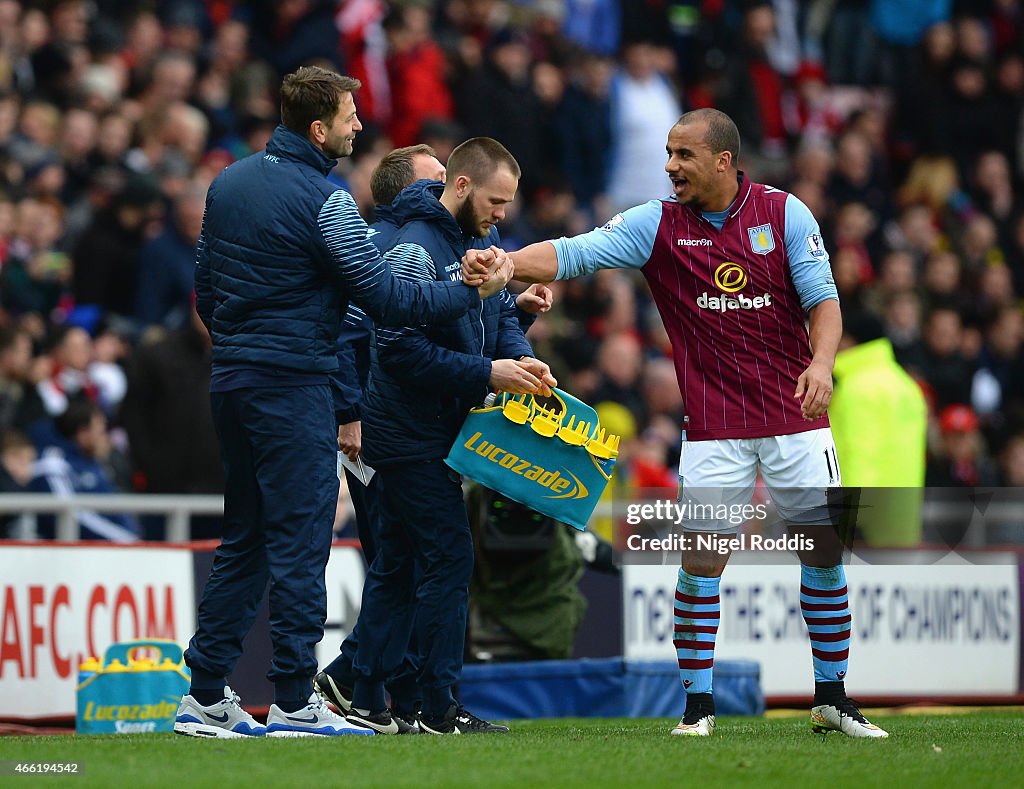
[{"x": 969, "y": 749}]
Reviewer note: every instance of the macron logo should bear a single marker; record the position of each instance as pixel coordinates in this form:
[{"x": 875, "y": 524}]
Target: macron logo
[{"x": 693, "y": 242}]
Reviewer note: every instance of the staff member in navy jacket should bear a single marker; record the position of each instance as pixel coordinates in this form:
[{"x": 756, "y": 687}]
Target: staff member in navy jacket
[
  {"x": 280, "y": 254},
  {"x": 397, "y": 170},
  {"x": 423, "y": 381}
]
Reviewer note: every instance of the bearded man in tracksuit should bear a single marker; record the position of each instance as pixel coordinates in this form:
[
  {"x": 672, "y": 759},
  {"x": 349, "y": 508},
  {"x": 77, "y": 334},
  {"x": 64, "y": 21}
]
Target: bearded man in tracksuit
[
  {"x": 398, "y": 170},
  {"x": 423, "y": 381}
]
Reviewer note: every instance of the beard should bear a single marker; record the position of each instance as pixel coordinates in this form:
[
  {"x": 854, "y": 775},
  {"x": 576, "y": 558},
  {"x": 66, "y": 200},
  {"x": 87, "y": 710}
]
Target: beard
[
  {"x": 468, "y": 222},
  {"x": 338, "y": 148}
]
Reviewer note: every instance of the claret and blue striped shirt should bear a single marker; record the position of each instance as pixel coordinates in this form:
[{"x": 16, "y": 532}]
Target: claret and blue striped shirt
[{"x": 733, "y": 290}]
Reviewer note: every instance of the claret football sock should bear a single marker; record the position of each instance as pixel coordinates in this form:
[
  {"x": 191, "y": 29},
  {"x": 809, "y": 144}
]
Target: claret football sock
[
  {"x": 825, "y": 606},
  {"x": 697, "y": 613}
]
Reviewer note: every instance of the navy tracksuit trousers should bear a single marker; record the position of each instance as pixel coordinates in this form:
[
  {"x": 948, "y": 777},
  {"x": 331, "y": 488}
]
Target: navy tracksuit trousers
[
  {"x": 279, "y": 451},
  {"x": 368, "y": 502},
  {"x": 425, "y": 524}
]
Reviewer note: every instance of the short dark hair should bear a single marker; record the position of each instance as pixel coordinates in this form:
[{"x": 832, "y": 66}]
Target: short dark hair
[
  {"x": 9, "y": 335},
  {"x": 478, "y": 158},
  {"x": 312, "y": 93},
  {"x": 76, "y": 417},
  {"x": 395, "y": 172},
  {"x": 722, "y": 132},
  {"x": 14, "y": 439}
]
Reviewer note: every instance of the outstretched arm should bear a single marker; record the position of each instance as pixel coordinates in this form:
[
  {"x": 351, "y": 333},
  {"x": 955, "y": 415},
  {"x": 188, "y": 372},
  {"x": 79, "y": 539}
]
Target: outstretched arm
[
  {"x": 536, "y": 263},
  {"x": 539, "y": 263},
  {"x": 625, "y": 241},
  {"x": 358, "y": 267}
]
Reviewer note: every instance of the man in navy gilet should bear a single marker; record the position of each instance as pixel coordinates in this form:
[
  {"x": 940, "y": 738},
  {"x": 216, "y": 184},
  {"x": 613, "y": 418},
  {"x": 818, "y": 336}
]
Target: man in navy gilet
[{"x": 280, "y": 255}]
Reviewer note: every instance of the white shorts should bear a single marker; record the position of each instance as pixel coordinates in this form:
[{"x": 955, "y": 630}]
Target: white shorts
[{"x": 798, "y": 470}]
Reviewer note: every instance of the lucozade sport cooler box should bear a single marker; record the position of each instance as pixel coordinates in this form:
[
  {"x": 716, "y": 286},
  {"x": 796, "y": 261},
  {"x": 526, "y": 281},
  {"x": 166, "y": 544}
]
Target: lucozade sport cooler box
[
  {"x": 552, "y": 456},
  {"x": 135, "y": 689}
]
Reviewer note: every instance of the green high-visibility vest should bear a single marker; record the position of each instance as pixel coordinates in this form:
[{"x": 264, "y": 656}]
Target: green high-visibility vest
[{"x": 879, "y": 420}]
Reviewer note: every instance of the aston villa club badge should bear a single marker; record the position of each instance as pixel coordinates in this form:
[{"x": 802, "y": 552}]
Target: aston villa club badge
[{"x": 761, "y": 239}]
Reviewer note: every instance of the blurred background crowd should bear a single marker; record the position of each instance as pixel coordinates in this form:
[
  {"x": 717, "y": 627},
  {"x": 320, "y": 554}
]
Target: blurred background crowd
[{"x": 900, "y": 124}]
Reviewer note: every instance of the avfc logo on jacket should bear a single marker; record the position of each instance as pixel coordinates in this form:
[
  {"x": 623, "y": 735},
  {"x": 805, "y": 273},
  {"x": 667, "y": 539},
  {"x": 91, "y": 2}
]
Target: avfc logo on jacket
[{"x": 761, "y": 239}]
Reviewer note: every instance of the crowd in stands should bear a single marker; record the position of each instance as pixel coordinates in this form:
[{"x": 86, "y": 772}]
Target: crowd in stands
[{"x": 901, "y": 125}]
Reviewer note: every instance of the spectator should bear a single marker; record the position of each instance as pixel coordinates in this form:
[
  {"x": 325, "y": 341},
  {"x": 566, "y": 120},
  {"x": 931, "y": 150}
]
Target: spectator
[
  {"x": 166, "y": 265},
  {"x": 79, "y": 136},
  {"x": 643, "y": 104},
  {"x": 217, "y": 86},
  {"x": 992, "y": 192},
  {"x": 943, "y": 281},
  {"x": 106, "y": 269},
  {"x": 943, "y": 363},
  {"x": 594, "y": 24},
  {"x": 754, "y": 90},
  {"x": 20, "y": 404},
  {"x": 900, "y": 28},
  {"x": 972, "y": 111},
  {"x": 661, "y": 396},
  {"x": 17, "y": 456},
  {"x": 903, "y": 328},
  {"x": 1011, "y": 462},
  {"x": 37, "y": 274},
  {"x": 896, "y": 273},
  {"x": 994, "y": 289},
  {"x": 1000, "y": 371},
  {"x": 170, "y": 79},
  {"x": 76, "y": 373},
  {"x": 416, "y": 71},
  {"x": 548, "y": 214},
  {"x": 583, "y": 130},
  {"x": 289, "y": 35},
  {"x": 72, "y": 461},
  {"x": 619, "y": 363},
  {"x": 504, "y": 87},
  {"x": 166, "y": 412},
  {"x": 854, "y": 179},
  {"x": 960, "y": 459},
  {"x": 916, "y": 231},
  {"x": 1009, "y": 91},
  {"x": 979, "y": 244}
]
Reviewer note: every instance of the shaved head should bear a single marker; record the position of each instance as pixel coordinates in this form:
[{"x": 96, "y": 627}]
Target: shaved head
[{"x": 722, "y": 134}]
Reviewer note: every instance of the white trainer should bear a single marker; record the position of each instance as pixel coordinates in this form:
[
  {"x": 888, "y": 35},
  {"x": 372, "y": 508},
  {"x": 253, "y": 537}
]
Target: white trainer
[
  {"x": 315, "y": 719},
  {"x": 703, "y": 726},
  {"x": 225, "y": 719},
  {"x": 844, "y": 717}
]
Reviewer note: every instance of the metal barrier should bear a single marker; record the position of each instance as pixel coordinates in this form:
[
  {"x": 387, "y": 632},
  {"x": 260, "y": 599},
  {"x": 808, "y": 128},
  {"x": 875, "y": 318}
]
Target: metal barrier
[
  {"x": 178, "y": 509},
  {"x": 1006, "y": 510}
]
